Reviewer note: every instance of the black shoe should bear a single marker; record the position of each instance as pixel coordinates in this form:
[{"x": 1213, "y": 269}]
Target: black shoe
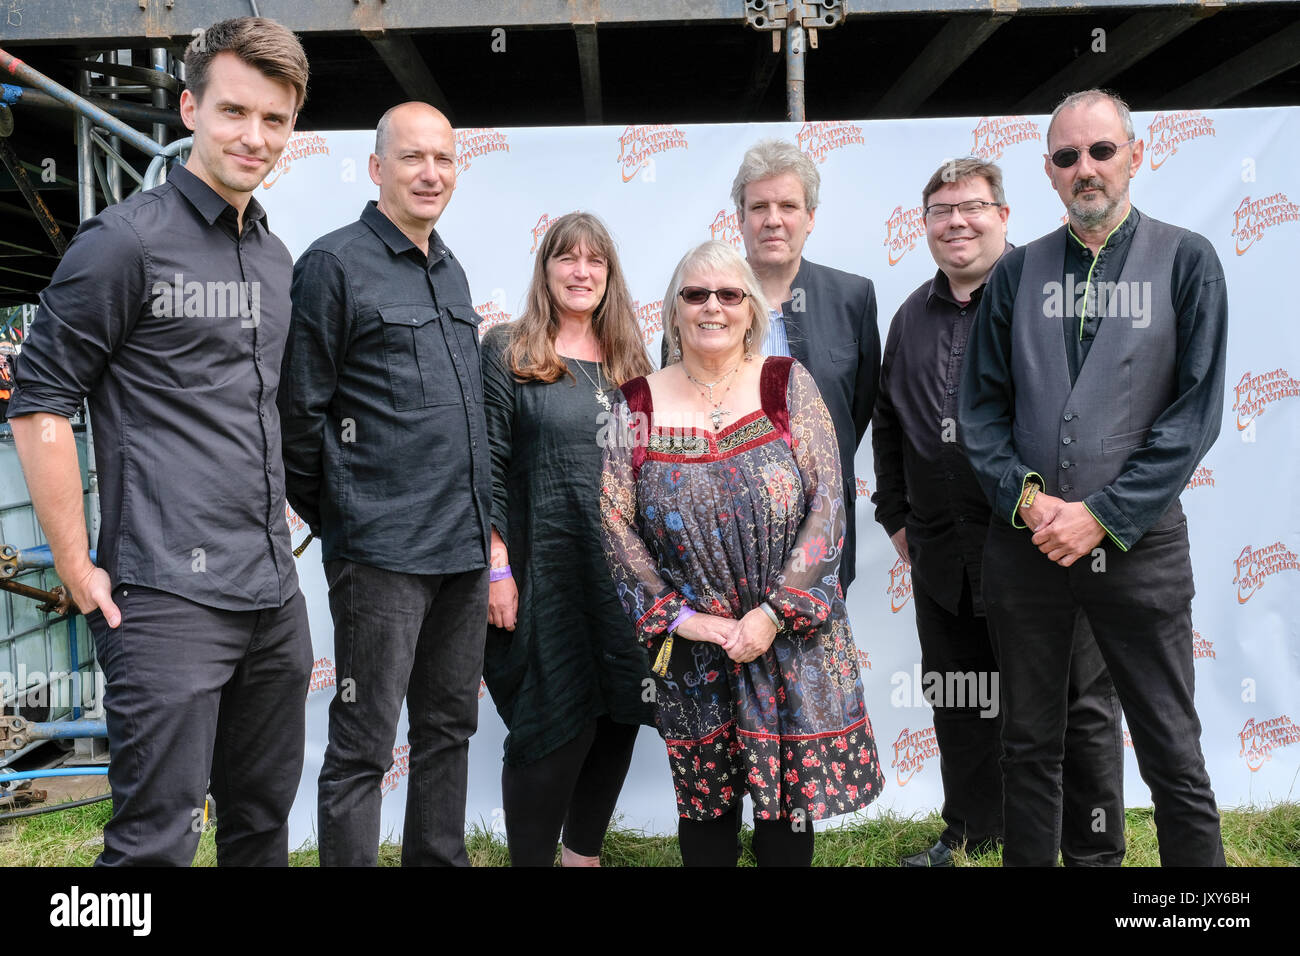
[{"x": 937, "y": 855}]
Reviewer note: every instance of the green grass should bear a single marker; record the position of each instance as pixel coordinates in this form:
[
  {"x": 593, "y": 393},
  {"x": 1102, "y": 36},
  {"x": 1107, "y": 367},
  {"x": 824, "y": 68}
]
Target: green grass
[{"x": 1251, "y": 837}]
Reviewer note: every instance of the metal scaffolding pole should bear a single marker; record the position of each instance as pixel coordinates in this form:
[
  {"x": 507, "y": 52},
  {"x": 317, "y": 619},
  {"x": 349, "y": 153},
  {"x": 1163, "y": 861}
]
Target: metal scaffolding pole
[
  {"x": 794, "y": 82},
  {"x": 158, "y": 59}
]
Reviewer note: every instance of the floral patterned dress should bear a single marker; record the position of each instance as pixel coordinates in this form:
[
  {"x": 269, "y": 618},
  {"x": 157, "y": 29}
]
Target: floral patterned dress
[{"x": 720, "y": 522}]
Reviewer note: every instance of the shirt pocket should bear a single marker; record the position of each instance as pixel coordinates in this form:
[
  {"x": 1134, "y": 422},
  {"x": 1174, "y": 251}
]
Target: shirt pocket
[
  {"x": 845, "y": 353},
  {"x": 464, "y": 326},
  {"x": 421, "y": 373},
  {"x": 1114, "y": 443}
]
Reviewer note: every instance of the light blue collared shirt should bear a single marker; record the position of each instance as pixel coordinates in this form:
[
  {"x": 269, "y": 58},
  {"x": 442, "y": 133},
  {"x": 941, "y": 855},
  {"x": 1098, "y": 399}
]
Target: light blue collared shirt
[{"x": 777, "y": 342}]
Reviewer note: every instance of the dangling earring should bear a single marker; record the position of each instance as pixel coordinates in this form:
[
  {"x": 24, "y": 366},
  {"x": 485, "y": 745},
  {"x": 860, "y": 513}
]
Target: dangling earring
[
  {"x": 677, "y": 346},
  {"x": 749, "y": 343}
]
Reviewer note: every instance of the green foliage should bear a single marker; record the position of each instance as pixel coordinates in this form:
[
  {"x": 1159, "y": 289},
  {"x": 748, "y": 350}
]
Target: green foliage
[{"x": 1251, "y": 837}]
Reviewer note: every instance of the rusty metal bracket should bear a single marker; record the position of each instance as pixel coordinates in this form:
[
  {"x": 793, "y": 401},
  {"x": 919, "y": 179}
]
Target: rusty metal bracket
[
  {"x": 779, "y": 15},
  {"x": 13, "y": 733},
  {"x": 42, "y": 212},
  {"x": 21, "y": 799},
  {"x": 55, "y": 601},
  {"x": 8, "y": 561}
]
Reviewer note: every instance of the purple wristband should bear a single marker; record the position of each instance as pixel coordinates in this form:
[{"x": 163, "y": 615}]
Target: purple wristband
[
  {"x": 683, "y": 615},
  {"x": 499, "y": 574}
]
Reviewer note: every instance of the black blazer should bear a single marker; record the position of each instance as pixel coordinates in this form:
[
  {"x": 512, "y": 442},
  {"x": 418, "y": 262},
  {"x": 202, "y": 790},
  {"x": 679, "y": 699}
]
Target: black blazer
[{"x": 830, "y": 321}]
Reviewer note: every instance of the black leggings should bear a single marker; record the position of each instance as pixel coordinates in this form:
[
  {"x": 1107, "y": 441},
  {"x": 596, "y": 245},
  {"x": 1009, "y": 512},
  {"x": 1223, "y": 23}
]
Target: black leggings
[
  {"x": 713, "y": 842},
  {"x": 573, "y": 787}
]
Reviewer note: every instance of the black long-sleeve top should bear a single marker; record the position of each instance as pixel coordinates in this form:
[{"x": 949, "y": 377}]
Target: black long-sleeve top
[{"x": 923, "y": 480}]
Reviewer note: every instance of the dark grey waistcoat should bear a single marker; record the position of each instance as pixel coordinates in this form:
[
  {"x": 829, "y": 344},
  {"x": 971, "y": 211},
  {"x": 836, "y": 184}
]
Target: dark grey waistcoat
[{"x": 1079, "y": 437}]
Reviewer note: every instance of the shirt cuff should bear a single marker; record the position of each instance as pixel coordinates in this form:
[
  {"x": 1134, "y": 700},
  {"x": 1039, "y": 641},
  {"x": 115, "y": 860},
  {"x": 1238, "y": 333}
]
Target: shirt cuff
[
  {"x": 893, "y": 522},
  {"x": 1125, "y": 534},
  {"x": 32, "y": 400},
  {"x": 1015, "y": 508}
]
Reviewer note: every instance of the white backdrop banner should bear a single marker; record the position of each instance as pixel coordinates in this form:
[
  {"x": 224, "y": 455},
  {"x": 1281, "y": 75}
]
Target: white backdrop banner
[{"x": 1230, "y": 175}]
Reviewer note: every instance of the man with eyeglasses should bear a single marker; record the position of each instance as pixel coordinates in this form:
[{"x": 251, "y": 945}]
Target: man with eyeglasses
[
  {"x": 930, "y": 503},
  {"x": 1093, "y": 388}
]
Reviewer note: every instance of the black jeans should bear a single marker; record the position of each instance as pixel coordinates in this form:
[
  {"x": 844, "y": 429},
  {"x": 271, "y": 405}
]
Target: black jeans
[
  {"x": 199, "y": 698},
  {"x": 970, "y": 739},
  {"x": 1138, "y": 604},
  {"x": 413, "y": 636}
]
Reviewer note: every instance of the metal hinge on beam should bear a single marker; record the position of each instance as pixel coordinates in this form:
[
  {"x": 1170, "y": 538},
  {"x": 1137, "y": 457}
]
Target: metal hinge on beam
[{"x": 777, "y": 15}]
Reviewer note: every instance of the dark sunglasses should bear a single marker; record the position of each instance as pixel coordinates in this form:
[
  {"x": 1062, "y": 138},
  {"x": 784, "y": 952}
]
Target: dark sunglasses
[
  {"x": 1067, "y": 156},
  {"x": 697, "y": 295}
]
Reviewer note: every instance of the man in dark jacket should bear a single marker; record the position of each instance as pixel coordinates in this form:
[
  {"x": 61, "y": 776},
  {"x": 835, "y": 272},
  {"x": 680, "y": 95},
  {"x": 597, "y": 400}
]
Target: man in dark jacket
[{"x": 824, "y": 318}]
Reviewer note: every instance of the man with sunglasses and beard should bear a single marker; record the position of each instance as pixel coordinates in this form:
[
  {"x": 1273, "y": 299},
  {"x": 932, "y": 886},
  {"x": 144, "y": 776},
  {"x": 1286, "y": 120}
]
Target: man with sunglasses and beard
[{"x": 1093, "y": 387}]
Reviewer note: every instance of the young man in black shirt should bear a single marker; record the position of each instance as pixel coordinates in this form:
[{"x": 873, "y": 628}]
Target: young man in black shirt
[{"x": 170, "y": 311}]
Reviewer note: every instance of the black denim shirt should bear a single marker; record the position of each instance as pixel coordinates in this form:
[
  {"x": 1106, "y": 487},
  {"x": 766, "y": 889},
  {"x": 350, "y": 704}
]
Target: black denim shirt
[
  {"x": 173, "y": 324},
  {"x": 923, "y": 480},
  {"x": 385, "y": 443}
]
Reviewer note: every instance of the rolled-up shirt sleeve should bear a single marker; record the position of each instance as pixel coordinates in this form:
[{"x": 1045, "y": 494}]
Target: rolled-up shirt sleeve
[
  {"x": 987, "y": 396},
  {"x": 1156, "y": 474},
  {"x": 87, "y": 311}
]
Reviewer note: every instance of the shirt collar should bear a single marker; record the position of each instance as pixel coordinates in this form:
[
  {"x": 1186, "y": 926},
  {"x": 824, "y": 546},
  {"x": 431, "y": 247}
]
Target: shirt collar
[
  {"x": 1118, "y": 236},
  {"x": 208, "y": 203},
  {"x": 939, "y": 285},
  {"x": 394, "y": 238}
]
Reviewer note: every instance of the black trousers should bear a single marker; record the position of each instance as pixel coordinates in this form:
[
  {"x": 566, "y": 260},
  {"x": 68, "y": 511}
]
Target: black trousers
[
  {"x": 198, "y": 698},
  {"x": 970, "y": 744},
  {"x": 1138, "y": 604},
  {"x": 413, "y": 636},
  {"x": 574, "y": 787}
]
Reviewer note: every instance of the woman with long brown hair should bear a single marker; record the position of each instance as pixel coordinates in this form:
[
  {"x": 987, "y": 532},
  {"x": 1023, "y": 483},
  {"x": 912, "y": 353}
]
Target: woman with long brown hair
[{"x": 562, "y": 664}]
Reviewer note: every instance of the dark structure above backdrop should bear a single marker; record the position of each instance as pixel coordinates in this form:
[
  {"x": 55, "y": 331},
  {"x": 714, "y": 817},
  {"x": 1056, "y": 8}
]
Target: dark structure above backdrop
[{"x": 570, "y": 62}]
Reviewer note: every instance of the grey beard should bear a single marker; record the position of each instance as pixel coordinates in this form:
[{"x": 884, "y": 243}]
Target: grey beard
[{"x": 1091, "y": 217}]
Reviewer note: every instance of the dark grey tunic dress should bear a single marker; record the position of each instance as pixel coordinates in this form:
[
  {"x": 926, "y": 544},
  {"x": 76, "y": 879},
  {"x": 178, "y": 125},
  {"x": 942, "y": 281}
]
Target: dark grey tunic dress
[{"x": 573, "y": 655}]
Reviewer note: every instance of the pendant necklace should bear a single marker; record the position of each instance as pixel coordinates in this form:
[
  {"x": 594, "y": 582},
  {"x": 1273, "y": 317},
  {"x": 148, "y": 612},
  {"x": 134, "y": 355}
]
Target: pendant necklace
[
  {"x": 715, "y": 416},
  {"x": 600, "y": 389}
]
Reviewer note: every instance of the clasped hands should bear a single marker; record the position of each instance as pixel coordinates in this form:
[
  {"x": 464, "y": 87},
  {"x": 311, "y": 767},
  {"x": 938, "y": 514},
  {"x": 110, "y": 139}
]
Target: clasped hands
[
  {"x": 1065, "y": 531},
  {"x": 744, "y": 641}
]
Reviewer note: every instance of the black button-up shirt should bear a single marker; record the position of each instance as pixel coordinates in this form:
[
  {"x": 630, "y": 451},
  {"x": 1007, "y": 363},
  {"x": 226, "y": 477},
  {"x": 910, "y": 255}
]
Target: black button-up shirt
[
  {"x": 923, "y": 480},
  {"x": 173, "y": 323},
  {"x": 385, "y": 441},
  {"x": 1154, "y": 475}
]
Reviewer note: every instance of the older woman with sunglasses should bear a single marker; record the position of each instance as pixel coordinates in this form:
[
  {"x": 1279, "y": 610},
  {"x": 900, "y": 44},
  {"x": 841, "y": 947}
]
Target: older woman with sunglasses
[
  {"x": 561, "y": 663},
  {"x": 723, "y": 515}
]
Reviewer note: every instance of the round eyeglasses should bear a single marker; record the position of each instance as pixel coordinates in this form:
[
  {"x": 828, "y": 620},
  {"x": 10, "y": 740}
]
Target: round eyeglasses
[{"x": 1067, "y": 156}]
